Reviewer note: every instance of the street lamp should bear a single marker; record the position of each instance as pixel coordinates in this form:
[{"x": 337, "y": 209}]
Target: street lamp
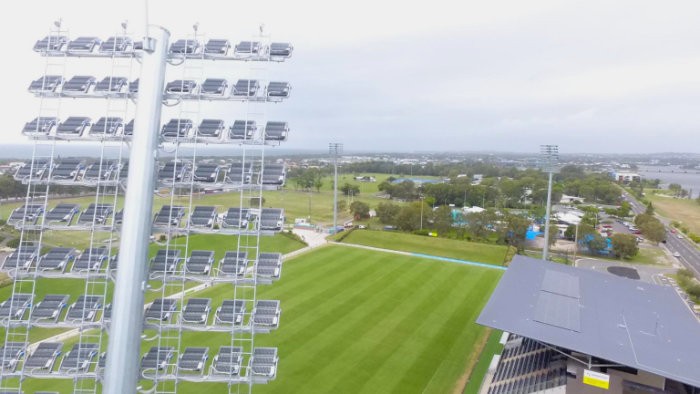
[
  {"x": 335, "y": 148},
  {"x": 550, "y": 155}
]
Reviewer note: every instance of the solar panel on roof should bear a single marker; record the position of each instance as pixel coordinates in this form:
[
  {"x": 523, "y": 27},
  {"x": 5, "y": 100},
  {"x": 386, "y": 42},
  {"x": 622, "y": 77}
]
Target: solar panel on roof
[
  {"x": 558, "y": 311},
  {"x": 560, "y": 283}
]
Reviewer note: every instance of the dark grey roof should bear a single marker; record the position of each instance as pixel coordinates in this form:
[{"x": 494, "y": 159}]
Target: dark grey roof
[{"x": 641, "y": 325}]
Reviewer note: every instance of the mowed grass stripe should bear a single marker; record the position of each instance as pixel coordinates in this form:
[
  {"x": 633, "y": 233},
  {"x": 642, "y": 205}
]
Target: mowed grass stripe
[
  {"x": 396, "y": 329},
  {"x": 327, "y": 295},
  {"x": 459, "y": 333},
  {"x": 356, "y": 317},
  {"x": 306, "y": 275},
  {"x": 333, "y": 306}
]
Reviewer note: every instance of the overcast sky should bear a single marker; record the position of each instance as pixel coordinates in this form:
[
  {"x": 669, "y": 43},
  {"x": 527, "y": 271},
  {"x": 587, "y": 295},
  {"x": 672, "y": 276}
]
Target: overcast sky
[{"x": 591, "y": 76}]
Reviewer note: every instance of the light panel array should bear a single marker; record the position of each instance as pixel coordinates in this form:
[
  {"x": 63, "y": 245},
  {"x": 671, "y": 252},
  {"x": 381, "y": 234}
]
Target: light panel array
[{"x": 177, "y": 272}]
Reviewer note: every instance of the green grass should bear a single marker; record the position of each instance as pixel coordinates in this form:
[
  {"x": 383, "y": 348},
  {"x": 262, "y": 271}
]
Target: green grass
[
  {"x": 684, "y": 211},
  {"x": 492, "y": 347},
  {"x": 463, "y": 250},
  {"x": 355, "y": 320}
]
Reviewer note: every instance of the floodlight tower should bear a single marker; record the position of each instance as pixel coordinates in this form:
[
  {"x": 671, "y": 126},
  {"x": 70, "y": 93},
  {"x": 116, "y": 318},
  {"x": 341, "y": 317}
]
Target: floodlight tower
[
  {"x": 335, "y": 148},
  {"x": 550, "y": 155},
  {"x": 122, "y": 373}
]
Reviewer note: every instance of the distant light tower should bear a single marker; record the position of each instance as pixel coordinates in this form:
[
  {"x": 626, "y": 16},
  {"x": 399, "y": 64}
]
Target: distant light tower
[
  {"x": 550, "y": 155},
  {"x": 335, "y": 148}
]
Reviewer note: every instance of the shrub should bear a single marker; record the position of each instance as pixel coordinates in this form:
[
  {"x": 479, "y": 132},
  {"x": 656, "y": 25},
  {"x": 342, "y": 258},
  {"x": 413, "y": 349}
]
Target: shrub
[{"x": 13, "y": 243}]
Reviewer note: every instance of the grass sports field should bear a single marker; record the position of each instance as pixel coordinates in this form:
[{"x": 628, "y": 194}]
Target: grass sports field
[
  {"x": 355, "y": 320},
  {"x": 463, "y": 250}
]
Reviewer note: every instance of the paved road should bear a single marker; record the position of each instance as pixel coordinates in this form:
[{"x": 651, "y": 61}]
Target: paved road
[{"x": 689, "y": 253}]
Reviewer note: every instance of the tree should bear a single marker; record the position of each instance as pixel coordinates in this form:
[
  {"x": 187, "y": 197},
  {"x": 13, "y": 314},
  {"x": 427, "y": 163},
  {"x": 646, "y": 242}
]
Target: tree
[
  {"x": 570, "y": 232},
  {"x": 650, "y": 209},
  {"x": 653, "y": 230},
  {"x": 349, "y": 189},
  {"x": 624, "y": 245},
  {"x": 595, "y": 242},
  {"x": 515, "y": 230},
  {"x": 387, "y": 212},
  {"x": 359, "y": 209},
  {"x": 441, "y": 218},
  {"x": 409, "y": 218},
  {"x": 342, "y": 205},
  {"x": 624, "y": 209},
  {"x": 479, "y": 223}
]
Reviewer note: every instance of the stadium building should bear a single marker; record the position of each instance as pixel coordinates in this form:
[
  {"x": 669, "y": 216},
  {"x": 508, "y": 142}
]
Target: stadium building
[{"x": 573, "y": 330}]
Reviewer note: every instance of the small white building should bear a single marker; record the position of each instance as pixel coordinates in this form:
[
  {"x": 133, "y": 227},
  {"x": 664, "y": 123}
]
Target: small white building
[{"x": 566, "y": 199}]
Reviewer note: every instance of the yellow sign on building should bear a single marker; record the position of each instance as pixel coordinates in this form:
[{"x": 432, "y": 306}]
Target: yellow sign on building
[{"x": 596, "y": 379}]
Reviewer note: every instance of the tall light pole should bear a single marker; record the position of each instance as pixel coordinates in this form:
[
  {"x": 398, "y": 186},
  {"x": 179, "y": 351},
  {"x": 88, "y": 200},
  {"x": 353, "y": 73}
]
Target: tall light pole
[
  {"x": 421, "y": 212},
  {"x": 550, "y": 154},
  {"x": 122, "y": 370},
  {"x": 335, "y": 148}
]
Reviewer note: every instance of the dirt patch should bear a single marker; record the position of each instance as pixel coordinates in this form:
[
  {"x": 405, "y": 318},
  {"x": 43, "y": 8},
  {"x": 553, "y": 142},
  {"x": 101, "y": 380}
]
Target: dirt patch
[{"x": 471, "y": 362}]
